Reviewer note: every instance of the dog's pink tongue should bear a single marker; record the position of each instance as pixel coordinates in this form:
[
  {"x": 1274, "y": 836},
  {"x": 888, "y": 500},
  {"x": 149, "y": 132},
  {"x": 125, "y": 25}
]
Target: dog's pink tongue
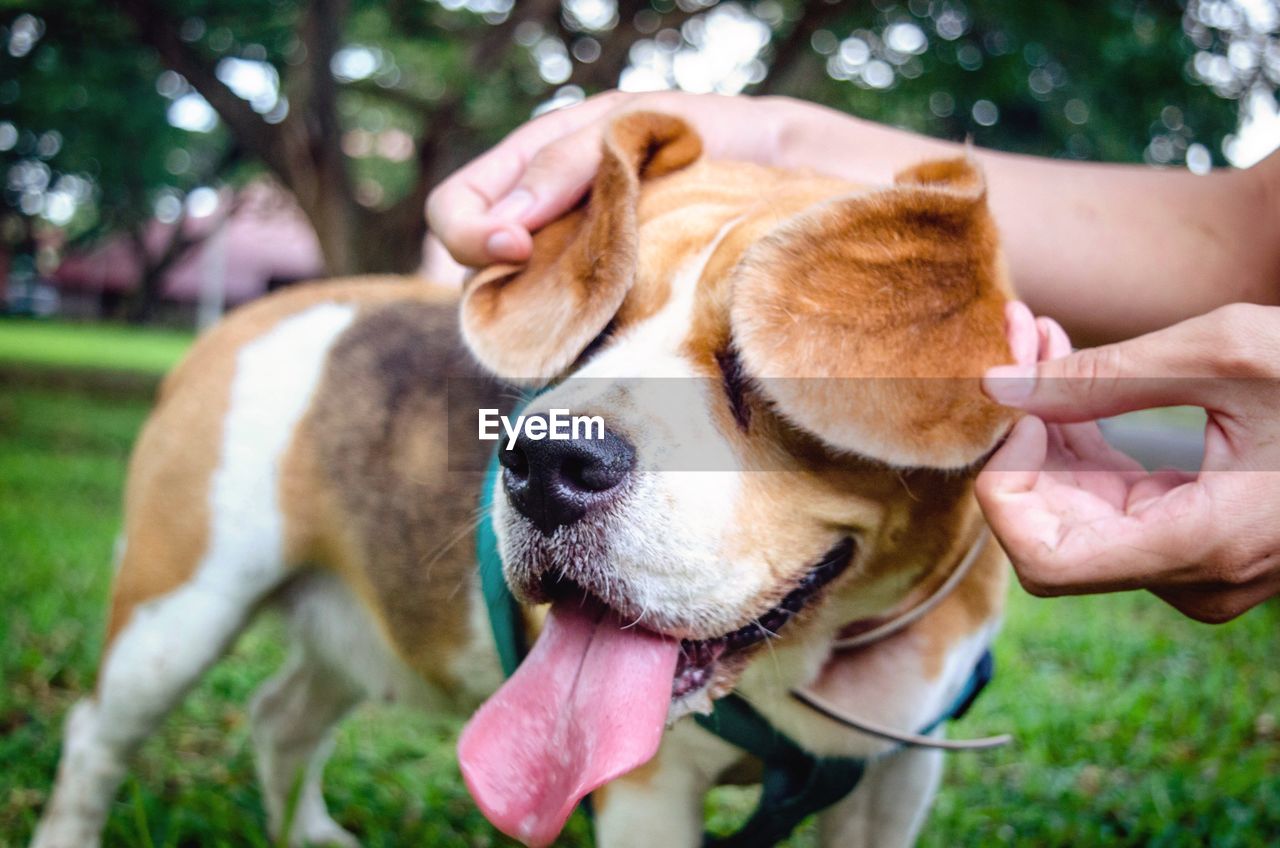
[{"x": 587, "y": 705}]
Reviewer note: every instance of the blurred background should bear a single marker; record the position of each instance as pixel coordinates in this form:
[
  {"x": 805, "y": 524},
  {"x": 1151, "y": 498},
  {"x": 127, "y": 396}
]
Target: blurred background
[{"x": 166, "y": 160}]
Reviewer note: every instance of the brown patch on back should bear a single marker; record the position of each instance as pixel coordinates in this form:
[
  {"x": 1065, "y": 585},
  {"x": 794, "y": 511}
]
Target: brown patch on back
[{"x": 400, "y": 523}]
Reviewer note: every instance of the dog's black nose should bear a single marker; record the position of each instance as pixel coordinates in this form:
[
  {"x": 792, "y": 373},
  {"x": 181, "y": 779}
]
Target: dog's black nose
[{"x": 554, "y": 482}]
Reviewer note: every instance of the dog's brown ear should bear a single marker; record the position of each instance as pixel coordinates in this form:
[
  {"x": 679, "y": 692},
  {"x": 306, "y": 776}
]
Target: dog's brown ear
[
  {"x": 868, "y": 320},
  {"x": 529, "y": 323}
]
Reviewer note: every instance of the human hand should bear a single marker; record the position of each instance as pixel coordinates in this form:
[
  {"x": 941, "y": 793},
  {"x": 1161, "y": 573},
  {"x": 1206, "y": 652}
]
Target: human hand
[
  {"x": 1077, "y": 516},
  {"x": 486, "y": 211}
]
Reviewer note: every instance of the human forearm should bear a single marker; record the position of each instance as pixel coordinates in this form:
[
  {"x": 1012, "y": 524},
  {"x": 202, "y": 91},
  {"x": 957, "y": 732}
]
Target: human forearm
[
  {"x": 1111, "y": 251},
  {"x": 1116, "y": 251}
]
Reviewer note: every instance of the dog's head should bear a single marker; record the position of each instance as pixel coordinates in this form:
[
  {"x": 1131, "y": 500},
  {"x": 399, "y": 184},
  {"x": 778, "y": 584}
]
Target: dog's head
[{"x": 787, "y": 370}]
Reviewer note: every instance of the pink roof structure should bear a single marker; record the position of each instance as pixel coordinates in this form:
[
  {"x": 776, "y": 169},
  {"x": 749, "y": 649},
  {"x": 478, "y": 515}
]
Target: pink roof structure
[{"x": 264, "y": 237}]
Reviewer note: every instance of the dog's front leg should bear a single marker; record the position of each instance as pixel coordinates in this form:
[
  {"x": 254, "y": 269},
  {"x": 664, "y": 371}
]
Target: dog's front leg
[
  {"x": 890, "y": 804},
  {"x": 660, "y": 803}
]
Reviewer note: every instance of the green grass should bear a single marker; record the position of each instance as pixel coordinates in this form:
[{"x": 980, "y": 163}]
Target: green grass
[
  {"x": 1134, "y": 725},
  {"x": 92, "y": 346}
]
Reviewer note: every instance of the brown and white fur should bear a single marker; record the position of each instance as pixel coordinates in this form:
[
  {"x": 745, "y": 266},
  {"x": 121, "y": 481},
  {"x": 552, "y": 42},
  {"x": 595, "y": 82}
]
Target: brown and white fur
[{"x": 297, "y": 459}]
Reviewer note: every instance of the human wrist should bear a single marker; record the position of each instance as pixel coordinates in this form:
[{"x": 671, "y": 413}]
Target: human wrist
[
  {"x": 1255, "y": 193},
  {"x": 813, "y": 137},
  {"x": 1270, "y": 212},
  {"x": 797, "y": 129}
]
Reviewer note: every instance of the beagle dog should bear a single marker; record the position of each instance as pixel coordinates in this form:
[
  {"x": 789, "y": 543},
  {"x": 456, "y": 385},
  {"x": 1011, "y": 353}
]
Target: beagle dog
[{"x": 787, "y": 367}]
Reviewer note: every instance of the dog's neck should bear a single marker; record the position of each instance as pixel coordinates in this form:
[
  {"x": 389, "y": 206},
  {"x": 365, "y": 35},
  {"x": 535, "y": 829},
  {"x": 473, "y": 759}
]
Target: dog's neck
[{"x": 871, "y": 607}]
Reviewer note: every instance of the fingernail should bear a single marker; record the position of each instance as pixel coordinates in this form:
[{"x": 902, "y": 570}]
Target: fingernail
[
  {"x": 1009, "y": 384},
  {"x": 511, "y": 207},
  {"x": 501, "y": 245}
]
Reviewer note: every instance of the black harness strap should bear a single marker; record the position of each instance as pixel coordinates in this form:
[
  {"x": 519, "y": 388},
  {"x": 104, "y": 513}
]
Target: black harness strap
[{"x": 795, "y": 785}]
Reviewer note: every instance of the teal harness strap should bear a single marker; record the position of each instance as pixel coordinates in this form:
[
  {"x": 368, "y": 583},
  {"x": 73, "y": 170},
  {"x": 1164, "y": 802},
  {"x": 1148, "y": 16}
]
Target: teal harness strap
[
  {"x": 795, "y": 784},
  {"x": 983, "y": 672},
  {"x": 504, "y": 610}
]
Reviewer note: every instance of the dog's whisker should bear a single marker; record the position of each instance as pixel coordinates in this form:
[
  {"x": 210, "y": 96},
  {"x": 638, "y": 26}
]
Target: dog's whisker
[
  {"x": 639, "y": 618},
  {"x": 458, "y": 586},
  {"x": 907, "y": 486},
  {"x": 427, "y": 562},
  {"x": 507, "y": 394},
  {"x": 773, "y": 654},
  {"x": 769, "y": 634}
]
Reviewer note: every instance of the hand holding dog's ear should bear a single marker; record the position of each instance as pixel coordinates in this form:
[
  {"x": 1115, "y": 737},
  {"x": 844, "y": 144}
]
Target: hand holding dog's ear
[
  {"x": 486, "y": 211},
  {"x": 1077, "y": 516},
  {"x": 528, "y": 323}
]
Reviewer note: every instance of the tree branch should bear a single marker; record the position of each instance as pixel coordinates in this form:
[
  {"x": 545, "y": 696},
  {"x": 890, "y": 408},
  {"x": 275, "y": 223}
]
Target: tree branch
[
  {"x": 319, "y": 30},
  {"x": 311, "y": 133},
  {"x": 434, "y": 142},
  {"x": 486, "y": 52},
  {"x": 156, "y": 28},
  {"x": 794, "y": 46}
]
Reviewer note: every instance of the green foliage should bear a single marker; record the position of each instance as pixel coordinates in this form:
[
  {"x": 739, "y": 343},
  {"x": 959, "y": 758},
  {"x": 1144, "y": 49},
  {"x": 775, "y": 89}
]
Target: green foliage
[
  {"x": 1079, "y": 80},
  {"x": 1134, "y": 726},
  {"x": 85, "y": 105}
]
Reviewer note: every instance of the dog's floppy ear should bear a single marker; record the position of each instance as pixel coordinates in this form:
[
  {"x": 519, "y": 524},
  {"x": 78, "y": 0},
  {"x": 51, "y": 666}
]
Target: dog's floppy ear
[
  {"x": 868, "y": 320},
  {"x": 529, "y": 323}
]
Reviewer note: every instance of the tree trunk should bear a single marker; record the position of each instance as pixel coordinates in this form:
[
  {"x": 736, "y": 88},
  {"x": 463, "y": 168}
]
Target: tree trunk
[
  {"x": 146, "y": 298},
  {"x": 305, "y": 150},
  {"x": 389, "y": 242},
  {"x": 140, "y": 306},
  {"x": 337, "y": 226}
]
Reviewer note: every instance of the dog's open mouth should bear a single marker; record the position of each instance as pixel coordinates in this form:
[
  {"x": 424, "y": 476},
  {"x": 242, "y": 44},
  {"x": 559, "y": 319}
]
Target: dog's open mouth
[
  {"x": 591, "y": 700},
  {"x": 698, "y": 658}
]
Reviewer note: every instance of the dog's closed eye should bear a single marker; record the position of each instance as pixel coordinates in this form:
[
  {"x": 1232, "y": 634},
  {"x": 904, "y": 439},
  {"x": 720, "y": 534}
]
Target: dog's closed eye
[
  {"x": 594, "y": 346},
  {"x": 734, "y": 381}
]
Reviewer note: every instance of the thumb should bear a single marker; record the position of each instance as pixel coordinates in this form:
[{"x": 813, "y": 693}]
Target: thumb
[
  {"x": 485, "y": 211},
  {"x": 553, "y": 182},
  {"x": 1158, "y": 369}
]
